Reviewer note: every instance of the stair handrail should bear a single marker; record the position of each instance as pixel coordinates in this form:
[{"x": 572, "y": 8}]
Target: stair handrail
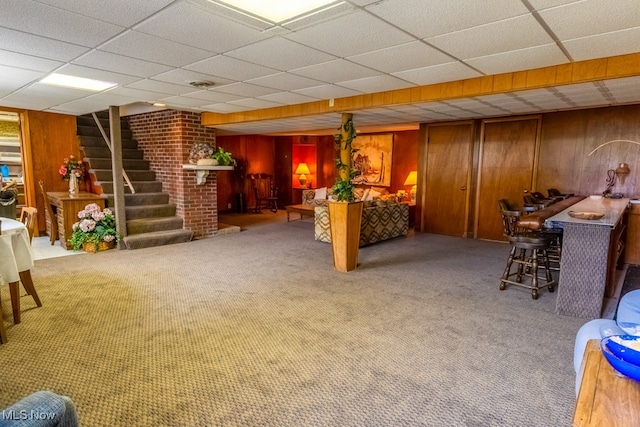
[{"x": 108, "y": 142}]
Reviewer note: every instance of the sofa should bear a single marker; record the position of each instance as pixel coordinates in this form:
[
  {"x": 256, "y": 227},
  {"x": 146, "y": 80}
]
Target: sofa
[
  {"x": 321, "y": 196},
  {"x": 381, "y": 220}
]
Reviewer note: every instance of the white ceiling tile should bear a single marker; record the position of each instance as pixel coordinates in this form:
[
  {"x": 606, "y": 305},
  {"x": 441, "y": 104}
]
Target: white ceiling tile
[
  {"x": 30, "y": 44},
  {"x": 502, "y": 36},
  {"x": 591, "y": 17},
  {"x": 376, "y": 84},
  {"x": 255, "y": 103},
  {"x": 438, "y": 73},
  {"x": 120, "y": 12},
  {"x": 363, "y": 31},
  {"x": 181, "y": 76},
  {"x": 121, "y": 64},
  {"x": 327, "y": 92},
  {"x": 212, "y": 96},
  {"x": 188, "y": 24},
  {"x": 96, "y": 74},
  {"x": 19, "y": 74},
  {"x": 230, "y": 68},
  {"x": 336, "y": 71},
  {"x": 430, "y": 18},
  {"x": 140, "y": 95},
  {"x": 37, "y": 18},
  {"x": 407, "y": 56},
  {"x": 225, "y": 108},
  {"x": 92, "y": 103},
  {"x": 183, "y": 101},
  {"x": 160, "y": 87},
  {"x": 603, "y": 45},
  {"x": 546, "y": 4},
  {"x": 48, "y": 95},
  {"x": 245, "y": 89},
  {"x": 518, "y": 60},
  {"x": 285, "y": 81},
  {"x": 288, "y": 98},
  {"x": 154, "y": 49},
  {"x": 28, "y": 62},
  {"x": 281, "y": 54}
]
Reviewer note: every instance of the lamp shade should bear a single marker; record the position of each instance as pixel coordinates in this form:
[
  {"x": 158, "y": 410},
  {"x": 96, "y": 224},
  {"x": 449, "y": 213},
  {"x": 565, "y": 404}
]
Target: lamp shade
[
  {"x": 302, "y": 169},
  {"x": 412, "y": 179}
]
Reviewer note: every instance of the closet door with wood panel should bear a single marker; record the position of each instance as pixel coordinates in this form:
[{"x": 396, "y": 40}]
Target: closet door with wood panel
[
  {"x": 507, "y": 166},
  {"x": 448, "y": 158}
]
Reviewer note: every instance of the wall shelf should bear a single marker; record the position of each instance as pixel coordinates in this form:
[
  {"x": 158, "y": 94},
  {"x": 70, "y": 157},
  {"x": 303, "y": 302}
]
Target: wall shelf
[{"x": 202, "y": 172}]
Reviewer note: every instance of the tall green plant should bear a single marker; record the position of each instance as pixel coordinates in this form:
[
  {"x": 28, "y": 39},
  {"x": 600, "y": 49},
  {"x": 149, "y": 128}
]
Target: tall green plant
[{"x": 344, "y": 189}]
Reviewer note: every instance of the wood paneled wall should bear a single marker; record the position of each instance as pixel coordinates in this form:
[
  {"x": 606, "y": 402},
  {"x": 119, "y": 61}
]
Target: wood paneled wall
[{"x": 257, "y": 152}]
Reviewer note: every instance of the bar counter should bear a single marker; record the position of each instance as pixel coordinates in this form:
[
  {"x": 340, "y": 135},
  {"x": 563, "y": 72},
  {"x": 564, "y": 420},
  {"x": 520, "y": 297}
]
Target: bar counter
[{"x": 590, "y": 248}]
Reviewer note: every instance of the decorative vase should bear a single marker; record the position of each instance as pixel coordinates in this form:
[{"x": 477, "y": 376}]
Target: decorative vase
[
  {"x": 207, "y": 162},
  {"x": 345, "y": 220},
  {"x": 73, "y": 184}
]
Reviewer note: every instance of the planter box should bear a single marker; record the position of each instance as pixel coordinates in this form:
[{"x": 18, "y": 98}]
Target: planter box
[{"x": 345, "y": 219}]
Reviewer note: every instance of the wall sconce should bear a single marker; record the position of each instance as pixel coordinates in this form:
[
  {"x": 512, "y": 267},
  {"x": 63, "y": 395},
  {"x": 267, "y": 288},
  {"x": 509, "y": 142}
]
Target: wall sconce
[
  {"x": 412, "y": 179},
  {"x": 621, "y": 172},
  {"x": 302, "y": 170}
]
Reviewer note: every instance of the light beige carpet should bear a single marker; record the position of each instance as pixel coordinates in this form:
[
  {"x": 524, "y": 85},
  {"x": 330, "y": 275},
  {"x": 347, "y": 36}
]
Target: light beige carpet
[{"x": 257, "y": 329}]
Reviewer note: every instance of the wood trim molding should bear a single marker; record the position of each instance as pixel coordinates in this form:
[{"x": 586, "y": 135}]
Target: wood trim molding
[{"x": 557, "y": 75}]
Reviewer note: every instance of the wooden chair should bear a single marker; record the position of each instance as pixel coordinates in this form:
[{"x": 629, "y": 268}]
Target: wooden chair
[
  {"x": 265, "y": 193},
  {"x": 53, "y": 236},
  {"x": 28, "y": 218}
]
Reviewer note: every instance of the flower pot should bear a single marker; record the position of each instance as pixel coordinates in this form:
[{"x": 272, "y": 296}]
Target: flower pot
[
  {"x": 207, "y": 162},
  {"x": 73, "y": 184},
  {"x": 102, "y": 246},
  {"x": 345, "y": 220}
]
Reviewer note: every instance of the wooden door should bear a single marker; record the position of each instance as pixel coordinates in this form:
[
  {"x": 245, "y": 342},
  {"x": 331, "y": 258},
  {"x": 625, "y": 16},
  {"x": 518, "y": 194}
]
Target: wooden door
[
  {"x": 446, "y": 199},
  {"x": 508, "y": 155}
]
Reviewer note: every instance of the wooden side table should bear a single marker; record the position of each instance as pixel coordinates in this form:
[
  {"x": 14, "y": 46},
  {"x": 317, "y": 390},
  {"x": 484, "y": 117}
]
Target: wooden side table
[
  {"x": 68, "y": 207},
  {"x": 605, "y": 398}
]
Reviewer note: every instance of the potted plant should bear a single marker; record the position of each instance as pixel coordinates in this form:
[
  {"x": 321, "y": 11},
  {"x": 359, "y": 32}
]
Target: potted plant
[
  {"x": 345, "y": 214},
  {"x": 224, "y": 158},
  {"x": 95, "y": 231}
]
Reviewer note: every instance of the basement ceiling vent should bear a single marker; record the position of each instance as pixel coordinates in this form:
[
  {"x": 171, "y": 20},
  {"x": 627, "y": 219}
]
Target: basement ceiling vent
[{"x": 202, "y": 84}]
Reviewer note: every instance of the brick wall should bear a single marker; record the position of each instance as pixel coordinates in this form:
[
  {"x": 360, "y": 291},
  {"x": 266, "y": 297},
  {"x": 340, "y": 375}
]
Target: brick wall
[{"x": 166, "y": 137}]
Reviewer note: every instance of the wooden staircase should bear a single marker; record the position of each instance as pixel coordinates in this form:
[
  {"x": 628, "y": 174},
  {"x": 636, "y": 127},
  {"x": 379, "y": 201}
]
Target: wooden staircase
[{"x": 151, "y": 220}]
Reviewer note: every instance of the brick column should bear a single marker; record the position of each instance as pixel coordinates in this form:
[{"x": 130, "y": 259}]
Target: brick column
[{"x": 166, "y": 137}]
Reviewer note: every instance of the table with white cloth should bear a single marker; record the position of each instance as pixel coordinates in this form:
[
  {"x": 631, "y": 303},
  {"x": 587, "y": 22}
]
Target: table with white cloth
[{"x": 16, "y": 262}]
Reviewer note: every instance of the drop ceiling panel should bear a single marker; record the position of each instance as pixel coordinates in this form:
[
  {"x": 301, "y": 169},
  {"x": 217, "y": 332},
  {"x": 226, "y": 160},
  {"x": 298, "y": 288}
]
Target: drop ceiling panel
[
  {"x": 281, "y": 54},
  {"x": 327, "y": 92},
  {"x": 408, "y": 56},
  {"x": 336, "y": 71},
  {"x": 120, "y": 12},
  {"x": 591, "y": 17},
  {"x": 245, "y": 90},
  {"x": 190, "y": 25},
  {"x": 431, "y": 18},
  {"x": 503, "y": 36},
  {"x": 143, "y": 46},
  {"x": 30, "y": 44},
  {"x": 46, "y": 96},
  {"x": 36, "y": 18},
  {"x": 546, "y": 4},
  {"x": 255, "y": 103},
  {"x": 285, "y": 81},
  {"x": 364, "y": 33},
  {"x": 230, "y": 68},
  {"x": 92, "y": 103},
  {"x": 121, "y": 64},
  {"x": 518, "y": 60},
  {"x": 225, "y": 108},
  {"x": 28, "y": 62},
  {"x": 609, "y": 44},
  {"x": 211, "y": 96},
  {"x": 288, "y": 98},
  {"x": 183, "y": 101},
  {"x": 180, "y": 76},
  {"x": 160, "y": 87},
  {"x": 438, "y": 73},
  {"x": 96, "y": 74},
  {"x": 376, "y": 84}
]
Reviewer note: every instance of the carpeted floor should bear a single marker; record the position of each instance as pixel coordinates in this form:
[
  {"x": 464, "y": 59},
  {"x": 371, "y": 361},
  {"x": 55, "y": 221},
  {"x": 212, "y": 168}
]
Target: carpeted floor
[{"x": 257, "y": 329}]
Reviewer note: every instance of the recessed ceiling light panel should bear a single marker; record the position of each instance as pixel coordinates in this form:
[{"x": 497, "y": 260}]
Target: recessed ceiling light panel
[
  {"x": 278, "y": 10},
  {"x": 74, "y": 82}
]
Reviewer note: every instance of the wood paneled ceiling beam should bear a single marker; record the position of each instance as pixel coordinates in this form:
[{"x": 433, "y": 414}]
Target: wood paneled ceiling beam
[{"x": 576, "y": 72}]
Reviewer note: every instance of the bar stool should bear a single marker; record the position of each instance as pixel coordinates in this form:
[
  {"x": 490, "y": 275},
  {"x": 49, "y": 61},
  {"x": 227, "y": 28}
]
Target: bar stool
[{"x": 529, "y": 253}]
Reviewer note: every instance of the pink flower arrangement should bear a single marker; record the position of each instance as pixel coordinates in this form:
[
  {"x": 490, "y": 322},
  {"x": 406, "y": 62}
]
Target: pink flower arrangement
[
  {"x": 94, "y": 225},
  {"x": 71, "y": 165}
]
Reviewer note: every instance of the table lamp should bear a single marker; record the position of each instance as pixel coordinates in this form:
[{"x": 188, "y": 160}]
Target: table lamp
[
  {"x": 302, "y": 170},
  {"x": 412, "y": 179}
]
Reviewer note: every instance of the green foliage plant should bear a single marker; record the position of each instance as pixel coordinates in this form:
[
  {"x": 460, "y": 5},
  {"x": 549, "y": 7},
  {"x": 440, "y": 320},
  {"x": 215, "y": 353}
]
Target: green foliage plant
[
  {"x": 344, "y": 189},
  {"x": 223, "y": 157}
]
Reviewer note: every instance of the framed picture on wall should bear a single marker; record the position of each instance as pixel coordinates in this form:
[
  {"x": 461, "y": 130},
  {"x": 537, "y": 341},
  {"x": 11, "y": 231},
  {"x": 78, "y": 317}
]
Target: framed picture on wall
[{"x": 373, "y": 159}]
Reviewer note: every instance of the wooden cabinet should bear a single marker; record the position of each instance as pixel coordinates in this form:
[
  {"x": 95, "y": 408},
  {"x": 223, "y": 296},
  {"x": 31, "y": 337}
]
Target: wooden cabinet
[
  {"x": 67, "y": 210},
  {"x": 632, "y": 247}
]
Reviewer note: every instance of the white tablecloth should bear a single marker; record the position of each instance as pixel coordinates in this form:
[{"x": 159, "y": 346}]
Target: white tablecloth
[{"x": 15, "y": 250}]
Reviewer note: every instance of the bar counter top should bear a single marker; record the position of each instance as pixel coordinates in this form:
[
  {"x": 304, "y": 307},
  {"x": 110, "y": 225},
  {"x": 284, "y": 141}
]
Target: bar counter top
[{"x": 611, "y": 208}]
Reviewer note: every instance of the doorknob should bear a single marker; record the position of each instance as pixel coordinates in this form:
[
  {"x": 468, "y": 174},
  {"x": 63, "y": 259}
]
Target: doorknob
[{"x": 463, "y": 188}]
